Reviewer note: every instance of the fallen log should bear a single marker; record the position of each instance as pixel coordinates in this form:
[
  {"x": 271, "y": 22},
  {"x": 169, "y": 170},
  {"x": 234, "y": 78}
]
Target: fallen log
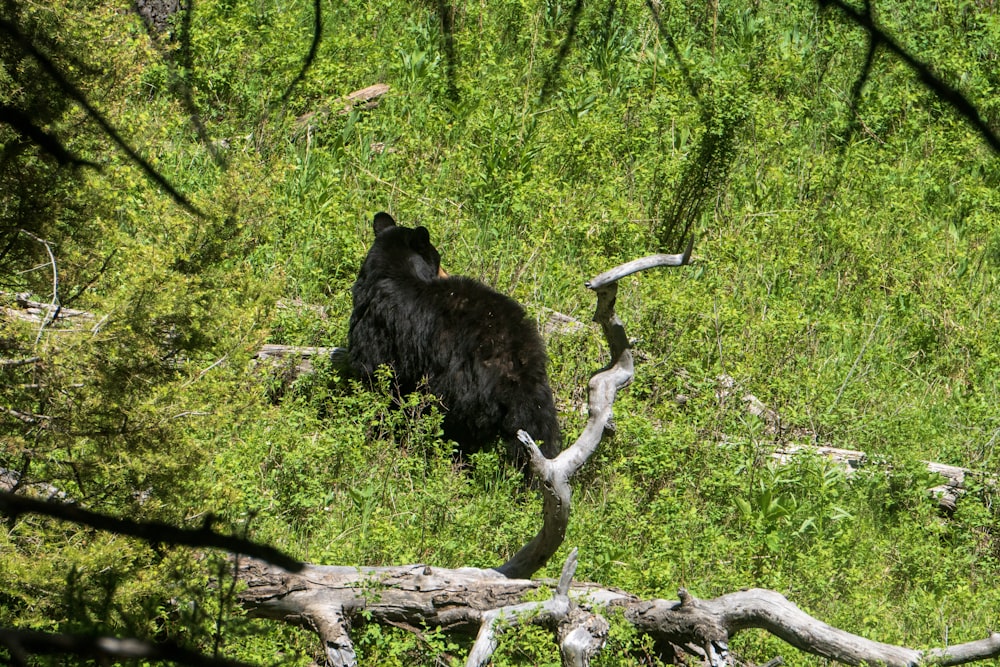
[{"x": 332, "y": 600}]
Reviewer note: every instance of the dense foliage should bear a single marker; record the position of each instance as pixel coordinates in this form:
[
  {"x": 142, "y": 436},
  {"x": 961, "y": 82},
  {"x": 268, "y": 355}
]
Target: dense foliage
[{"x": 846, "y": 272}]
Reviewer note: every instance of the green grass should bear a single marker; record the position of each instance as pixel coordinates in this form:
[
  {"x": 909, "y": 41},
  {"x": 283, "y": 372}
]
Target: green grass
[{"x": 845, "y": 272}]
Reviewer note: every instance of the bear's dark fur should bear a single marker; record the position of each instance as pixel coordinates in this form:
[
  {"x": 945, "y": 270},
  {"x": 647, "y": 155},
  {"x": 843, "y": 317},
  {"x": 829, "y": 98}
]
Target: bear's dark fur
[{"x": 479, "y": 353}]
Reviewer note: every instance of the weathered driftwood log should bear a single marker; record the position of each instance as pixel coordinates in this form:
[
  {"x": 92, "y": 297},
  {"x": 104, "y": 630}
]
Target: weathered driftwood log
[
  {"x": 298, "y": 359},
  {"x": 555, "y": 474},
  {"x": 27, "y": 309},
  {"x": 327, "y": 599},
  {"x": 366, "y": 98}
]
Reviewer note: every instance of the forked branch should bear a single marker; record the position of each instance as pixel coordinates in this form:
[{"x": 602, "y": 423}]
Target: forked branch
[{"x": 555, "y": 474}]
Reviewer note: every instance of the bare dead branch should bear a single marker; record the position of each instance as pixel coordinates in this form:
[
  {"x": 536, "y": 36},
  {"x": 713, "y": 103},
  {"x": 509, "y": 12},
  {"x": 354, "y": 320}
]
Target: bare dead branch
[
  {"x": 554, "y": 474},
  {"x": 302, "y": 357},
  {"x": 271, "y": 351},
  {"x": 53, "y": 309},
  {"x": 368, "y": 97},
  {"x": 641, "y": 264},
  {"x": 13, "y": 363},
  {"x": 25, "y": 417},
  {"x": 37, "y": 311},
  {"x": 946, "y": 494},
  {"x": 961, "y": 654}
]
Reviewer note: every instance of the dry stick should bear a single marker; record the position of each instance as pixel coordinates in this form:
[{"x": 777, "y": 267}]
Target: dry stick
[
  {"x": 24, "y": 417},
  {"x": 423, "y": 200},
  {"x": 555, "y": 474},
  {"x": 641, "y": 264},
  {"x": 855, "y": 364},
  {"x": 11, "y": 363},
  {"x": 54, "y": 308}
]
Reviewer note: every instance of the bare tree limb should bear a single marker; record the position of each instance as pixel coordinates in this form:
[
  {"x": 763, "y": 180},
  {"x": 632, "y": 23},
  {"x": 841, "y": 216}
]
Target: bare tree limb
[
  {"x": 714, "y": 621},
  {"x": 961, "y": 654},
  {"x": 13, "y": 363},
  {"x": 946, "y": 494},
  {"x": 53, "y": 310},
  {"x": 553, "y": 612},
  {"x": 37, "y": 311},
  {"x": 24, "y": 417},
  {"x": 636, "y": 265},
  {"x": 555, "y": 474}
]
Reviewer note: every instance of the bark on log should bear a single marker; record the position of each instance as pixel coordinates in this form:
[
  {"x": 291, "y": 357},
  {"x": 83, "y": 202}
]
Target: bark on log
[
  {"x": 29, "y": 310},
  {"x": 329, "y": 599},
  {"x": 365, "y": 98}
]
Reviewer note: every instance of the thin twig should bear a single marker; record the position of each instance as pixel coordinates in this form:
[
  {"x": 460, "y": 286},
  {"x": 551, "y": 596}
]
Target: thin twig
[
  {"x": 855, "y": 364},
  {"x": 54, "y": 307},
  {"x": 11, "y": 363}
]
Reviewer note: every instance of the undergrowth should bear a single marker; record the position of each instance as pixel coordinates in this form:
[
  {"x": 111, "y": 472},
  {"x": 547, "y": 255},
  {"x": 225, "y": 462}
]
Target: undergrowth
[{"x": 845, "y": 274}]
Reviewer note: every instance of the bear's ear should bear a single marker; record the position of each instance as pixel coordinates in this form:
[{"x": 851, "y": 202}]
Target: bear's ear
[
  {"x": 421, "y": 238},
  {"x": 382, "y": 222}
]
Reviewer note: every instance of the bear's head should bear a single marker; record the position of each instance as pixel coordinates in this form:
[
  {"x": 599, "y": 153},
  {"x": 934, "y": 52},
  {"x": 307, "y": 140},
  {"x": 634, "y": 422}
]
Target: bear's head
[{"x": 403, "y": 251}]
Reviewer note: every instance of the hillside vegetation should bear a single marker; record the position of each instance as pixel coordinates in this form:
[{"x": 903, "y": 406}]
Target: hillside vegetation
[{"x": 845, "y": 273}]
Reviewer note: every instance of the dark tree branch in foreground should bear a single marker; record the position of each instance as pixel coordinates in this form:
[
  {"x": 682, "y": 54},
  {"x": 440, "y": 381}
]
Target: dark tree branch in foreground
[
  {"x": 939, "y": 87},
  {"x": 24, "y": 643},
  {"x": 153, "y": 532},
  {"x": 311, "y": 56},
  {"x": 24, "y": 125},
  {"x": 13, "y": 31}
]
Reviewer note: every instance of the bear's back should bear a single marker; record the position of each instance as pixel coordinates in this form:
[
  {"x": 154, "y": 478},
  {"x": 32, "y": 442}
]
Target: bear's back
[{"x": 475, "y": 347}]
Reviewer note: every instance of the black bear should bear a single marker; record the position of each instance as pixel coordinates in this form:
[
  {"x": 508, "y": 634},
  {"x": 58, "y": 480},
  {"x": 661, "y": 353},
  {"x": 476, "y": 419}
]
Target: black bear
[{"x": 476, "y": 349}]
